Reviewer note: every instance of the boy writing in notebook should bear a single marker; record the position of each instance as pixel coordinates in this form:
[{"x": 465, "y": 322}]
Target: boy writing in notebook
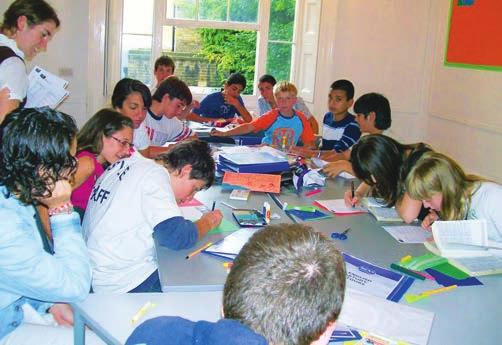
[
  {"x": 284, "y": 126},
  {"x": 135, "y": 201},
  {"x": 373, "y": 115},
  {"x": 286, "y": 287}
]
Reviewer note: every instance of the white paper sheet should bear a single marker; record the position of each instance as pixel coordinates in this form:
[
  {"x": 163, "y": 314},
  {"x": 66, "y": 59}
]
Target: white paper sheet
[
  {"x": 408, "y": 233},
  {"x": 390, "y": 319}
]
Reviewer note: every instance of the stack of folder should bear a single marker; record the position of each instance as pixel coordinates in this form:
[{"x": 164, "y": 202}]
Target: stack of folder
[{"x": 252, "y": 162}]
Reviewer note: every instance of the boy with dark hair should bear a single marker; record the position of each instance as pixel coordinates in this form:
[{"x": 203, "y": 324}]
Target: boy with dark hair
[
  {"x": 283, "y": 126},
  {"x": 266, "y": 101},
  {"x": 163, "y": 68},
  {"x": 286, "y": 287},
  {"x": 226, "y": 104},
  {"x": 36, "y": 163},
  {"x": 135, "y": 200},
  {"x": 340, "y": 128},
  {"x": 373, "y": 115},
  {"x": 161, "y": 124}
]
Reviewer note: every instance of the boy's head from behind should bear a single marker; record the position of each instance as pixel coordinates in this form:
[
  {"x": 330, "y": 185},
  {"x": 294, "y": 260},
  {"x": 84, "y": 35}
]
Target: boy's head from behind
[
  {"x": 373, "y": 112},
  {"x": 341, "y": 96},
  {"x": 164, "y": 67},
  {"x": 287, "y": 284},
  {"x": 174, "y": 95}
]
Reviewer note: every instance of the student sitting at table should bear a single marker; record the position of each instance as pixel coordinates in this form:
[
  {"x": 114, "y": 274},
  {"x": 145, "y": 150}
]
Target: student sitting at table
[
  {"x": 283, "y": 126},
  {"x": 38, "y": 276},
  {"x": 169, "y": 101},
  {"x": 103, "y": 140},
  {"x": 443, "y": 186},
  {"x": 340, "y": 129},
  {"x": 132, "y": 99},
  {"x": 223, "y": 105},
  {"x": 286, "y": 286},
  {"x": 266, "y": 101},
  {"x": 164, "y": 67},
  {"x": 373, "y": 115},
  {"x": 135, "y": 200},
  {"x": 383, "y": 165}
]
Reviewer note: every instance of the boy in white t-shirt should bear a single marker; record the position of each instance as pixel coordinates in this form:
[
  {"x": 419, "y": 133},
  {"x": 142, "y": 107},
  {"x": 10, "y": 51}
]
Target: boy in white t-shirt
[
  {"x": 135, "y": 200},
  {"x": 161, "y": 124}
]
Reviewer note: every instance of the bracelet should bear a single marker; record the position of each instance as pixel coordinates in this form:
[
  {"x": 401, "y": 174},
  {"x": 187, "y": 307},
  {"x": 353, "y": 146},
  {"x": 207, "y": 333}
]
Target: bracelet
[{"x": 65, "y": 208}]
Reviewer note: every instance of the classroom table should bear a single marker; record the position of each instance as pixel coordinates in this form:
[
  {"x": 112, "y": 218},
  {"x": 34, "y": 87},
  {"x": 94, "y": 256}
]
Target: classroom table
[
  {"x": 110, "y": 315},
  {"x": 466, "y": 315}
]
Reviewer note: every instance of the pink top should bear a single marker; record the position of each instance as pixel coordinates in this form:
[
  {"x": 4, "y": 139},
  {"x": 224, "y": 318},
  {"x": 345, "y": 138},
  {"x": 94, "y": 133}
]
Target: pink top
[{"x": 80, "y": 196}]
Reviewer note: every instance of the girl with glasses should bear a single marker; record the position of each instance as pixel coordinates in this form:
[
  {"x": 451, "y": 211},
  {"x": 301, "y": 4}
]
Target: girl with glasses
[{"x": 103, "y": 140}]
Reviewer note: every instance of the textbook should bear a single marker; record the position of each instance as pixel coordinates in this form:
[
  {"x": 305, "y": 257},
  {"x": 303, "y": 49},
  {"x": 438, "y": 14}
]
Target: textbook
[
  {"x": 465, "y": 244},
  {"x": 381, "y": 212},
  {"x": 253, "y": 162}
]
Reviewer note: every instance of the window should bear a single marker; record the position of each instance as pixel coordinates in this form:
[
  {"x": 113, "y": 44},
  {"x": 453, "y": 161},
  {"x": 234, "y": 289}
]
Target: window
[{"x": 207, "y": 39}]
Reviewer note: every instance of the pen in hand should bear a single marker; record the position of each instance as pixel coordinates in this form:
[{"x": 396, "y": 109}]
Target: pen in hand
[{"x": 353, "y": 192}]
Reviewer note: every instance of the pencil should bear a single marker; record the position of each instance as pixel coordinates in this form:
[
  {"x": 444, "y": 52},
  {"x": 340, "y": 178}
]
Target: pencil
[
  {"x": 142, "y": 311},
  {"x": 197, "y": 251},
  {"x": 228, "y": 205}
]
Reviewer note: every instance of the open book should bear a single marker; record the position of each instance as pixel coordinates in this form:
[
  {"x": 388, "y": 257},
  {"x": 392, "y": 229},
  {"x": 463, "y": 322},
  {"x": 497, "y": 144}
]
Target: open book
[
  {"x": 465, "y": 243},
  {"x": 381, "y": 212}
]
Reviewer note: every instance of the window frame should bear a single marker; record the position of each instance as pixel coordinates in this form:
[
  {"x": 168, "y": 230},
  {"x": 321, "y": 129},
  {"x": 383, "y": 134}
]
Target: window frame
[{"x": 114, "y": 49}]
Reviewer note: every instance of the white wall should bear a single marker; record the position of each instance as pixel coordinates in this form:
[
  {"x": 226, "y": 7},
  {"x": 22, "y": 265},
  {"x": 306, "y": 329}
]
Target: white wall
[
  {"x": 464, "y": 108},
  {"x": 396, "y": 47},
  {"x": 67, "y": 53}
]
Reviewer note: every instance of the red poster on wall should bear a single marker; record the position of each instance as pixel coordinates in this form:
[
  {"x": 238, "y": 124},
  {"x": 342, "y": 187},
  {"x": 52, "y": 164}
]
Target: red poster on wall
[{"x": 475, "y": 34}]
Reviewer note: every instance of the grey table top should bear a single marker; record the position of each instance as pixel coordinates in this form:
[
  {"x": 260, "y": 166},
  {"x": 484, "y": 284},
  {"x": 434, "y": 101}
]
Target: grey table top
[{"x": 467, "y": 315}]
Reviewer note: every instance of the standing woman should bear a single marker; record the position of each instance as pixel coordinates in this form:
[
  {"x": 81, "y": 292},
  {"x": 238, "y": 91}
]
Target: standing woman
[
  {"x": 27, "y": 28},
  {"x": 103, "y": 140}
]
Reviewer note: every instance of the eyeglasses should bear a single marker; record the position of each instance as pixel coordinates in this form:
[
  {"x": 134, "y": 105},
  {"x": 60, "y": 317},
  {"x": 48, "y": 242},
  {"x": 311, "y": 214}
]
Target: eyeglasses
[{"x": 124, "y": 143}]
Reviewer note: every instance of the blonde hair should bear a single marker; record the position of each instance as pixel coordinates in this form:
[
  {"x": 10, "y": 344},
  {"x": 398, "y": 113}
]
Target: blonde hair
[
  {"x": 285, "y": 86},
  {"x": 437, "y": 173}
]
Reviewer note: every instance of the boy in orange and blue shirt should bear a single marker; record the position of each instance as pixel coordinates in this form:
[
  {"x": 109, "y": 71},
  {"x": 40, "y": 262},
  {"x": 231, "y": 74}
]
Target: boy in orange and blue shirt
[{"x": 283, "y": 126}]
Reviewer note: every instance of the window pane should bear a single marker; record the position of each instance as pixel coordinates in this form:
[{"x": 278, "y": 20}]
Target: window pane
[
  {"x": 213, "y": 10},
  {"x": 279, "y": 60},
  {"x": 136, "y": 58},
  {"x": 138, "y": 17},
  {"x": 244, "y": 11},
  {"x": 282, "y": 19},
  {"x": 205, "y": 57},
  {"x": 183, "y": 9}
]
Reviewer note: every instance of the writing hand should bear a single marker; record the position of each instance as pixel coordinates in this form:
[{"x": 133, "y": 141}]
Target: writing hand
[
  {"x": 351, "y": 201},
  {"x": 429, "y": 219}
]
